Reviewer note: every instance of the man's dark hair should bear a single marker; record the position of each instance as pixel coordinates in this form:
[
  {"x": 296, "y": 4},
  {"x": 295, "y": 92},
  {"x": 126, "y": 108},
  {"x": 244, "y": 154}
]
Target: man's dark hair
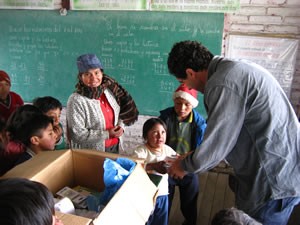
[
  {"x": 188, "y": 54},
  {"x": 47, "y": 103},
  {"x": 25, "y": 202}
]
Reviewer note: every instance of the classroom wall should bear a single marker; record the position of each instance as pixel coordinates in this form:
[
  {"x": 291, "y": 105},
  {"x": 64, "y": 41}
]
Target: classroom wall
[
  {"x": 257, "y": 17},
  {"x": 269, "y": 17},
  {"x": 273, "y": 18}
]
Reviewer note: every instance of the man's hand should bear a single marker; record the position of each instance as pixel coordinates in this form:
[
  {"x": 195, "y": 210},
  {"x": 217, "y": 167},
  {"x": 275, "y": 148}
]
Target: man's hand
[{"x": 175, "y": 170}]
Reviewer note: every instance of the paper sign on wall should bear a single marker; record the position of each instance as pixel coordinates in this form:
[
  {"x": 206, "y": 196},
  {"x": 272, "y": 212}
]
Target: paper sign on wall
[
  {"x": 277, "y": 55},
  {"x": 27, "y": 4},
  {"x": 158, "y": 5}
]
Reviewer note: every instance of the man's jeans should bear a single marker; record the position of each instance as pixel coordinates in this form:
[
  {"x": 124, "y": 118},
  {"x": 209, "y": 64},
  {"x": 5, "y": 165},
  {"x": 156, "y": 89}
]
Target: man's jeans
[{"x": 276, "y": 212}]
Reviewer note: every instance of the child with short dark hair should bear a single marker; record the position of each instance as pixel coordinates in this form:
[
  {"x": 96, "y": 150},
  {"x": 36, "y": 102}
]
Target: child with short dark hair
[
  {"x": 25, "y": 202},
  {"x": 17, "y": 118},
  {"x": 12, "y": 148},
  {"x": 233, "y": 216},
  {"x": 37, "y": 134},
  {"x": 52, "y": 107}
]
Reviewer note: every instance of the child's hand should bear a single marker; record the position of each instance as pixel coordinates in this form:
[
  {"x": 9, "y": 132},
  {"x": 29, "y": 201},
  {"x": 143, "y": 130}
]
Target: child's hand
[
  {"x": 175, "y": 170},
  {"x": 159, "y": 167}
]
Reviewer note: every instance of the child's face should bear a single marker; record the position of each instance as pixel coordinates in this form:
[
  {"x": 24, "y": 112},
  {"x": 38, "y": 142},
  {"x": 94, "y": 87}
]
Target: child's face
[
  {"x": 183, "y": 108},
  {"x": 55, "y": 115},
  {"x": 156, "y": 137},
  {"x": 48, "y": 139}
]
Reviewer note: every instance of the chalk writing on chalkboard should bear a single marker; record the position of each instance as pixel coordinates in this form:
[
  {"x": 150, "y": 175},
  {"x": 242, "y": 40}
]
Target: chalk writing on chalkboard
[{"x": 40, "y": 54}]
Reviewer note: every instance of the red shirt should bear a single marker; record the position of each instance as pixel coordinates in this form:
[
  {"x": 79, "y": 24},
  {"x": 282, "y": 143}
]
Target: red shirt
[
  {"x": 14, "y": 101},
  {"x": 108, "y": 113}
]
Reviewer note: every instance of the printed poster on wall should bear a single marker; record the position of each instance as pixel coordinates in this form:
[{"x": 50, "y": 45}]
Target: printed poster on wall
[
  {"x": 277, "y": 55},
  {"x": 109, "y": 4},
  {"x": 195, "y": 5},
  {"x": 26, "y": 4},
  {"x": 158, "y": 5}
]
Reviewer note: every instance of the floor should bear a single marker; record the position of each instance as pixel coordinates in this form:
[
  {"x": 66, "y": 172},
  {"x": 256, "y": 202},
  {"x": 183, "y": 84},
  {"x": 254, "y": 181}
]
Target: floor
[{"x": 214, "y": 195}]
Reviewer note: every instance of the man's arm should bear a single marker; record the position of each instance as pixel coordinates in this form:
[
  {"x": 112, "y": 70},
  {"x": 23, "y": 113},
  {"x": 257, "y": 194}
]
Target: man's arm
[{"x": 226, "y": 113}]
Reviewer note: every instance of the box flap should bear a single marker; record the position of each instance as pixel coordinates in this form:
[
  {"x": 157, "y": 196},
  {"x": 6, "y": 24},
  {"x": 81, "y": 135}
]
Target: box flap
[
  {"x": 40, "y": 161},
  {"x": 52, "y": 168},
  {"x": 72, "y": 219},
  {"x": 133, "y": 202}
]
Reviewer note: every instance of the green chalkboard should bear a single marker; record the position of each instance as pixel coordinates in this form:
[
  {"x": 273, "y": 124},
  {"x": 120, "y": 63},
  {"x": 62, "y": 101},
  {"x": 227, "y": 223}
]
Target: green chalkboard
[{"x": 38, "y": 48}]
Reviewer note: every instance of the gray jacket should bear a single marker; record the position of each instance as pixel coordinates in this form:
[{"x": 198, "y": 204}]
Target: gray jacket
[
  {"x": 86, "y": 122},
  {"x": 252, "y": 125}
]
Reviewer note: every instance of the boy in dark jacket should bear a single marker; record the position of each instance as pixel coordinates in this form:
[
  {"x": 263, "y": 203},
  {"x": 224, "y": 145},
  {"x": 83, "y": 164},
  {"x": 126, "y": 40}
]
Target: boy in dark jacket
[{"x": 185, "y": 130}]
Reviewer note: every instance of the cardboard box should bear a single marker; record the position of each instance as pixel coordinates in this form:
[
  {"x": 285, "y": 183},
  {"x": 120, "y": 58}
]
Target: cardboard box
[{"x": 132, "y": 204}]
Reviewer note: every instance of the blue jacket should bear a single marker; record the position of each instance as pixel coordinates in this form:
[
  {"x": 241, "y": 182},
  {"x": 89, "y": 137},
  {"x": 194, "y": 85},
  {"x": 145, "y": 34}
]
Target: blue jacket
[{"x": 169, "y": 116}]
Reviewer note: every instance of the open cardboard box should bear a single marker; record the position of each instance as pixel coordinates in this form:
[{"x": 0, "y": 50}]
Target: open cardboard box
[{"x": 132, "y": 204}]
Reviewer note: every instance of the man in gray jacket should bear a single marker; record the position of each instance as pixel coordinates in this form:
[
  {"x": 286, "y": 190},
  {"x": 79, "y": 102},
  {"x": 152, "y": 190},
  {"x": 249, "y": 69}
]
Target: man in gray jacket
[{"x": 250, "y": 123}]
